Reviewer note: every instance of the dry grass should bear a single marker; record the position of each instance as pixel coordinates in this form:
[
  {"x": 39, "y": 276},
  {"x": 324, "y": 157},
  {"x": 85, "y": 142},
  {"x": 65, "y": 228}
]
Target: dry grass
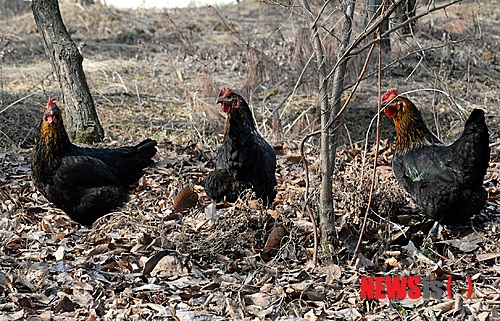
[{"x": 156, "y": 74}]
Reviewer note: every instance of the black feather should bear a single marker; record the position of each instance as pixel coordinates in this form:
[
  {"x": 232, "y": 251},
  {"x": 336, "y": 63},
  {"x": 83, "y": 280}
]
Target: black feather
[
  {"x": 244, "y": 160},
  {"x": 446, "y": 181},
  {"x": 86, "y": 183}
]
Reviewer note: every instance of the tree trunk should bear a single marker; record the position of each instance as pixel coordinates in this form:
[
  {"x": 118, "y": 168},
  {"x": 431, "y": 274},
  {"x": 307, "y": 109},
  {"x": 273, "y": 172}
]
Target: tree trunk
[
  {"x": 327, "y": 217},
  {"x": 80, "y": 117},
  {"x": 329, "y": 138},
  {"x": 326, "y": 214}
]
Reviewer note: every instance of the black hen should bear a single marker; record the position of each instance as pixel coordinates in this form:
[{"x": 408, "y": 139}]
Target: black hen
[
  {"x": 245, "y": 159},
  {"x": 445, "y": 181},
  {"x": 86, "y": 183}
]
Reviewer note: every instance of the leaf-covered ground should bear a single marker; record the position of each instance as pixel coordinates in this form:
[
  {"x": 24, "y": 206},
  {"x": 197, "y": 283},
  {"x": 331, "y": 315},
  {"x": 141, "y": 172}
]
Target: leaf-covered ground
[{"x": 156, "y": 74}]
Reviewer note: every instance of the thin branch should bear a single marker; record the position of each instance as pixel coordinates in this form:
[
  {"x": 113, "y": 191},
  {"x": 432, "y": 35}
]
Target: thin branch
[
  {"x": 19, "y": 100},
  {"x": 315, "y": 234},
  {"x": 393, "y": 62},
  {"x": 365, "y": 33},
  {"x": 315, "y": 22},
  {"x": 283, "y": 102}
]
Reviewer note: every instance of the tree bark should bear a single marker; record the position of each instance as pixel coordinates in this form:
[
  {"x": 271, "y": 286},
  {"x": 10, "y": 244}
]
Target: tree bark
[{"x": 82, "y": 122}]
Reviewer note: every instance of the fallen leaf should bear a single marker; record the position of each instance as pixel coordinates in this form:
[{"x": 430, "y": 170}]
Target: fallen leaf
[
  {"x": 185, "y": 199},
  {"x": 273, "y": 241}
]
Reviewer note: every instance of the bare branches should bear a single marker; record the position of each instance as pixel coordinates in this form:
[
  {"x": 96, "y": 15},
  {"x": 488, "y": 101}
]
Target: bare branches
[
  {"x": 365, "y": 33},
  {"x": 377, "y": 22}
]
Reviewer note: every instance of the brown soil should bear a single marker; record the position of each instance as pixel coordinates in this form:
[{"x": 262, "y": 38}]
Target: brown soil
[{"x": 156, "y": 73}]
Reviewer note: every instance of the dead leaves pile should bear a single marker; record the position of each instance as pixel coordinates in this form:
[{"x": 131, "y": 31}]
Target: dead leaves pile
[{"x": 170, "y": 253}]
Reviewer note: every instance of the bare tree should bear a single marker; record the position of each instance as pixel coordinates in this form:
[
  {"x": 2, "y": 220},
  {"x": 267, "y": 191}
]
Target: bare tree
[
  {"x": 377, "y": 28},
  {"x": 326, "y": 200},
  {"x": 81, "y": 118},
  {"x": 330, "y": 128}
]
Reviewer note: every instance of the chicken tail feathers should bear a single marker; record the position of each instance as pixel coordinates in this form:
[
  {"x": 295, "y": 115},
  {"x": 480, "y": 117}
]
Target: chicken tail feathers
[
  {"x": 134, "y": 160},
  {"x": 147, "y": 145},
  {"x": 475, "y": 121},
  {"x": 475, "y": 128},
  {"x": 145, "y": 152},
  {"x": 474, "y": 144}
]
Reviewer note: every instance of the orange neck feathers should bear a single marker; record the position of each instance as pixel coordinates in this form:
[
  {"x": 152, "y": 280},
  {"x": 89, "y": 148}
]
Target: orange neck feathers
[
  {"x": 411, "y": 131},
  {"x": 52, "y": 137}
]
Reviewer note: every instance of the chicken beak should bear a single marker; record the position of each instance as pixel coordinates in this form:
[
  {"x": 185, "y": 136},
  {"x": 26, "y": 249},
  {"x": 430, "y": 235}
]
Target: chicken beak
[
  {"x": 222, "y": 100},
  {"x": 51, "y": 115}
]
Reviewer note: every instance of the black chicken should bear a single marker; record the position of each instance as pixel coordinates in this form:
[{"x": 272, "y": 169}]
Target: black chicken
[
  {"x": 86, "y": 183},
  {"x": 445, "y": 181},
  {"x": 245, "y": 159}
]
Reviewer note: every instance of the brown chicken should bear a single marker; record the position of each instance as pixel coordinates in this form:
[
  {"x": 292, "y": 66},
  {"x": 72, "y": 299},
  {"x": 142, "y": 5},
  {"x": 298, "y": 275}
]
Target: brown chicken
[
  {"x": 245, "y": 159},
  {"x": 86, "y": 183},
  {"x": 444, "y": 180}
]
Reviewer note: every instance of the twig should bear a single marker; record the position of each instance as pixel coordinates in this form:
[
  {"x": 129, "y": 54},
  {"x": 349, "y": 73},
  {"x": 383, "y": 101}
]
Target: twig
[
  {"x": 459, "y": 108},
  {"x": 138, "y": 94},
  {"x": 494, "y": 144},
  {"x": 410, "y": 53},
  {"x": 315, "y": 234},
  {"x": 121, "y": 80},
  {"x": 277, "y": 108},
  {"x": 19, "y": 100},
  {"x": 315, "y": 22},
  {"x": 364, "y": 34},
  {"x": 236, "y": 33},
  {"x": 191, "y": 119},
  {"x": 297, "y": 83}
]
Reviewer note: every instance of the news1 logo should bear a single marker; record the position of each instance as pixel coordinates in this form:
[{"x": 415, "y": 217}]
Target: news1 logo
[{"x": 403, "y": 287}]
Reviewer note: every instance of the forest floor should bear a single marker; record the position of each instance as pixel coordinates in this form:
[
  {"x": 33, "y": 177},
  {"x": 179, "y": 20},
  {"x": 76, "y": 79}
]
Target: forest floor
[{"x": 156, "y": 73}]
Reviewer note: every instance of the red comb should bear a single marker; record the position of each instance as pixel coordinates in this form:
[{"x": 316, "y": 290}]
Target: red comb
[
  {"x": 390, "y": 94},
  {"x": 50, "y": 103},
  {"x": 224, "y": 91}
]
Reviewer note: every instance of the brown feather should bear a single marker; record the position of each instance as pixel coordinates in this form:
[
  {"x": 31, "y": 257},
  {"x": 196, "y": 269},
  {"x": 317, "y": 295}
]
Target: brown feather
[{"x": 411, "y": 130}]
